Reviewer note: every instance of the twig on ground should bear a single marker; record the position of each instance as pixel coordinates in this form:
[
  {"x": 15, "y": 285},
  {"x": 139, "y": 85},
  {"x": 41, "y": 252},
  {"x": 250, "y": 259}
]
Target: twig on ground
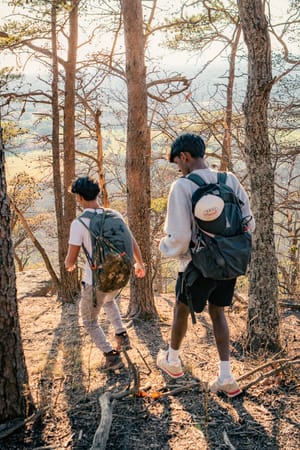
[
  {"x": 227, "y": 441},
  {"x": 177, "y": 390},
  {"x": 145, "y": 362}
]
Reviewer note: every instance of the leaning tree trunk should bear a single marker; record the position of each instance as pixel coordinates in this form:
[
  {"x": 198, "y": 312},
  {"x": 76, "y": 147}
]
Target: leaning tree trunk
[
  {"x": 138, "y": 154},
  {"x": 263, "y": 317},
  {"x": 15, "y": 399}
]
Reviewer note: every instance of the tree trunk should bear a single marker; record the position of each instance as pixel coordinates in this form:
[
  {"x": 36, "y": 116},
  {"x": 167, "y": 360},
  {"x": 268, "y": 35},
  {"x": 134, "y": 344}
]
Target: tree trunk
[
  {"x": 56, "y": 161},
  {"x": 263, "y": 316},
  {"x": 69, "y": 282},
  {"x": 15, "y": 398},
  {"x": 138, "y": 154},
  {"x": 294, "y": 260},
  {"x": 226, "y": 162},
  {"x": 102, "y": 182}
]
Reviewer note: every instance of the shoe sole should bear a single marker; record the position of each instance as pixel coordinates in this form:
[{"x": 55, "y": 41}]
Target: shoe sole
[
  {"x": 229, "y": 394},
  {"x": 234, "y": 394},
  {"x": 172, "y": 375}
]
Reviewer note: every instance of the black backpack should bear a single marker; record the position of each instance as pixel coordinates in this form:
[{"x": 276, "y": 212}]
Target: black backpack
[
  {"x": 221, "y": 256},
  {"x": 112, "y": 250},
  {"x": 225, "y": 255}
]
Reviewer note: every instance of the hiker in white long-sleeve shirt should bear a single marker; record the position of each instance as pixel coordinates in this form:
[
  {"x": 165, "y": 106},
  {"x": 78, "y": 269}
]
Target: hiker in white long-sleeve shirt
[{"x": 188, "y": 152}]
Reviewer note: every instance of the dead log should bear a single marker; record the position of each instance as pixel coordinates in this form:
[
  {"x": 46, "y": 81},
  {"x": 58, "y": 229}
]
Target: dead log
[
  {"x": 107, "y": 402},
  {"x": 101, "y": 436}
]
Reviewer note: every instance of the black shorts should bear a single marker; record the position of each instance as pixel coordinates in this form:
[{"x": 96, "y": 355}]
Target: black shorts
[{"x": 217, "y": 292}]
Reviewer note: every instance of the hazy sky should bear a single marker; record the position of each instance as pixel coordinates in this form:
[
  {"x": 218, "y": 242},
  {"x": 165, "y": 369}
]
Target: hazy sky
[{"x": 189, "y": 63}]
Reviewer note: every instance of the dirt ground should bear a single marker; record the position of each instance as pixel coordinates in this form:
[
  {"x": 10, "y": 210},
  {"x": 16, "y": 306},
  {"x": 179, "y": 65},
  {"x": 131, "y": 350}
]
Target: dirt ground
[{"x": 66, "y": 383}]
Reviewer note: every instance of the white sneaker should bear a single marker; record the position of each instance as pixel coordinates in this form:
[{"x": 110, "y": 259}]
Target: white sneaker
[
  {"x": 173, "y": 370},
  {"x": 229, "y": 387}
]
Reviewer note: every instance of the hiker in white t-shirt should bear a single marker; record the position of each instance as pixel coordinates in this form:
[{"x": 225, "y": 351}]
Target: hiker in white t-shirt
[
  {"x": 187, "y": 152},
  {"x": 87, "y": 191}
]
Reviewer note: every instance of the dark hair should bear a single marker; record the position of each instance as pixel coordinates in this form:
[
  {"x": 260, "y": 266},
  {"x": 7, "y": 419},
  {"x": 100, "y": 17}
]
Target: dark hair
[
  {"x": 86, "y": 187},
  {"x": 188, "y": 142}
]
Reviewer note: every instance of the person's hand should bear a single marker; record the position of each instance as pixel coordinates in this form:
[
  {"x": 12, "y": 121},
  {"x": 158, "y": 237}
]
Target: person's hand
[
  {"x": 139, "y": 270},
  {"x": 70, "y": 268}
]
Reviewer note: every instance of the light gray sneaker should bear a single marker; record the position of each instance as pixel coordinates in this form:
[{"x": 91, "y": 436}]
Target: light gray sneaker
[
  {"x": 229, "y": 387},
  {"x": 173, "y": 370}
]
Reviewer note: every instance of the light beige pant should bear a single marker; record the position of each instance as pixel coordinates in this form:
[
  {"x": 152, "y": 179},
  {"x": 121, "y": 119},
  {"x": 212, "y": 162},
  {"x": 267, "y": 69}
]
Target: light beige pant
[{"x": 89, "y": 314}]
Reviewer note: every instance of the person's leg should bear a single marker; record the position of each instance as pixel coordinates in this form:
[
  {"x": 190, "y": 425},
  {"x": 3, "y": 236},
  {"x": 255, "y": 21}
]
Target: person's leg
[
  {"x": 225, "y": 381},
  {"x": 179, "y": 325},
  {"x": 221, "y": 330},
  {"x": 169, "y": 360},
  {"x": 89, "y": 314},
  {"x": 113, "y": 314}
]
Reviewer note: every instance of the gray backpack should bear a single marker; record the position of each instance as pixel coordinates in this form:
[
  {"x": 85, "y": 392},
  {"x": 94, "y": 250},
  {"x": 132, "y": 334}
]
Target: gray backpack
[{"x": 112, "y": 250}]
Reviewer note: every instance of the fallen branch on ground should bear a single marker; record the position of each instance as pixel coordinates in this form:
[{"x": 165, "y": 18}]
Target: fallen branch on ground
[
  {"x": 10, "y": 428},
  {"x": 283, "y": 364},
  {"x": 290, "y": 305},
  {"x": 107, "y": 401}
]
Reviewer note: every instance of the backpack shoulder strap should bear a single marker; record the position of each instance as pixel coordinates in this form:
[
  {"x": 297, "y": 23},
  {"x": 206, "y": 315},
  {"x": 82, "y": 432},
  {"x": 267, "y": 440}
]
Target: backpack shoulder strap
[
  {"x": 196, "y": 179},
  {"x": 222, "y": 177},
  {"x": 90, "y": 215}
]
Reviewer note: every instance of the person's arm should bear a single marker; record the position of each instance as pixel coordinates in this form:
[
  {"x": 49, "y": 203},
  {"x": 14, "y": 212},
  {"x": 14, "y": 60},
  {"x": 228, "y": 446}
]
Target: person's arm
[
  {"x": 178, "y": 226},
  {"x": 139, "y": 268},
  {"x": 71, "y": 258}
]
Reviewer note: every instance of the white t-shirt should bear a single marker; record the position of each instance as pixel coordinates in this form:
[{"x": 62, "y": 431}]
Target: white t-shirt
[
  {"x": 179, "y": 220},
  {"x": 79, "y": 235}
]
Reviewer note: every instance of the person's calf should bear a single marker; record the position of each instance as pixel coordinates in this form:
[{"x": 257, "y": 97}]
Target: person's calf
[{"x": 179, "y": 325}]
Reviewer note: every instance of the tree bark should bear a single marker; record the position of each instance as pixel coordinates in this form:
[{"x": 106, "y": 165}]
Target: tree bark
[
  {"x": 263, "y": 316},
  {"x": 15, "y": 398},
  {"x": 102, "y": 182},
  {"x": 69, "y": 282},
  {"x": 56, "y": 159},
  {"x": 138, "y": 154}
]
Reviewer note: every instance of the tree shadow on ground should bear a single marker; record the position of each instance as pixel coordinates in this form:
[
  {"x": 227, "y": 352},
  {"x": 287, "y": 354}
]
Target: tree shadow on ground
[{"x": 66, "y": 347}]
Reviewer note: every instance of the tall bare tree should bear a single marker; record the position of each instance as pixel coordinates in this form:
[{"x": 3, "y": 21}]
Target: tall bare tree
[
  {"x": 69, "y": 280},
  {"x": 138, "y": 152},
  {"x": 15, "y": 399},
  {"x": 263, "y": 316}
]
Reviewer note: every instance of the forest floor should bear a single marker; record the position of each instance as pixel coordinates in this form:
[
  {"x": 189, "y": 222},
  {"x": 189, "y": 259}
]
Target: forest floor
[{"x": 66, "y": 383}]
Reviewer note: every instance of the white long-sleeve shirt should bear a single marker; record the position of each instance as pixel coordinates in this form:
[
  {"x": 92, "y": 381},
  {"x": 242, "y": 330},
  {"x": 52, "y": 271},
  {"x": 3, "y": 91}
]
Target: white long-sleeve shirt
[{"x": 180, "y": 225}]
